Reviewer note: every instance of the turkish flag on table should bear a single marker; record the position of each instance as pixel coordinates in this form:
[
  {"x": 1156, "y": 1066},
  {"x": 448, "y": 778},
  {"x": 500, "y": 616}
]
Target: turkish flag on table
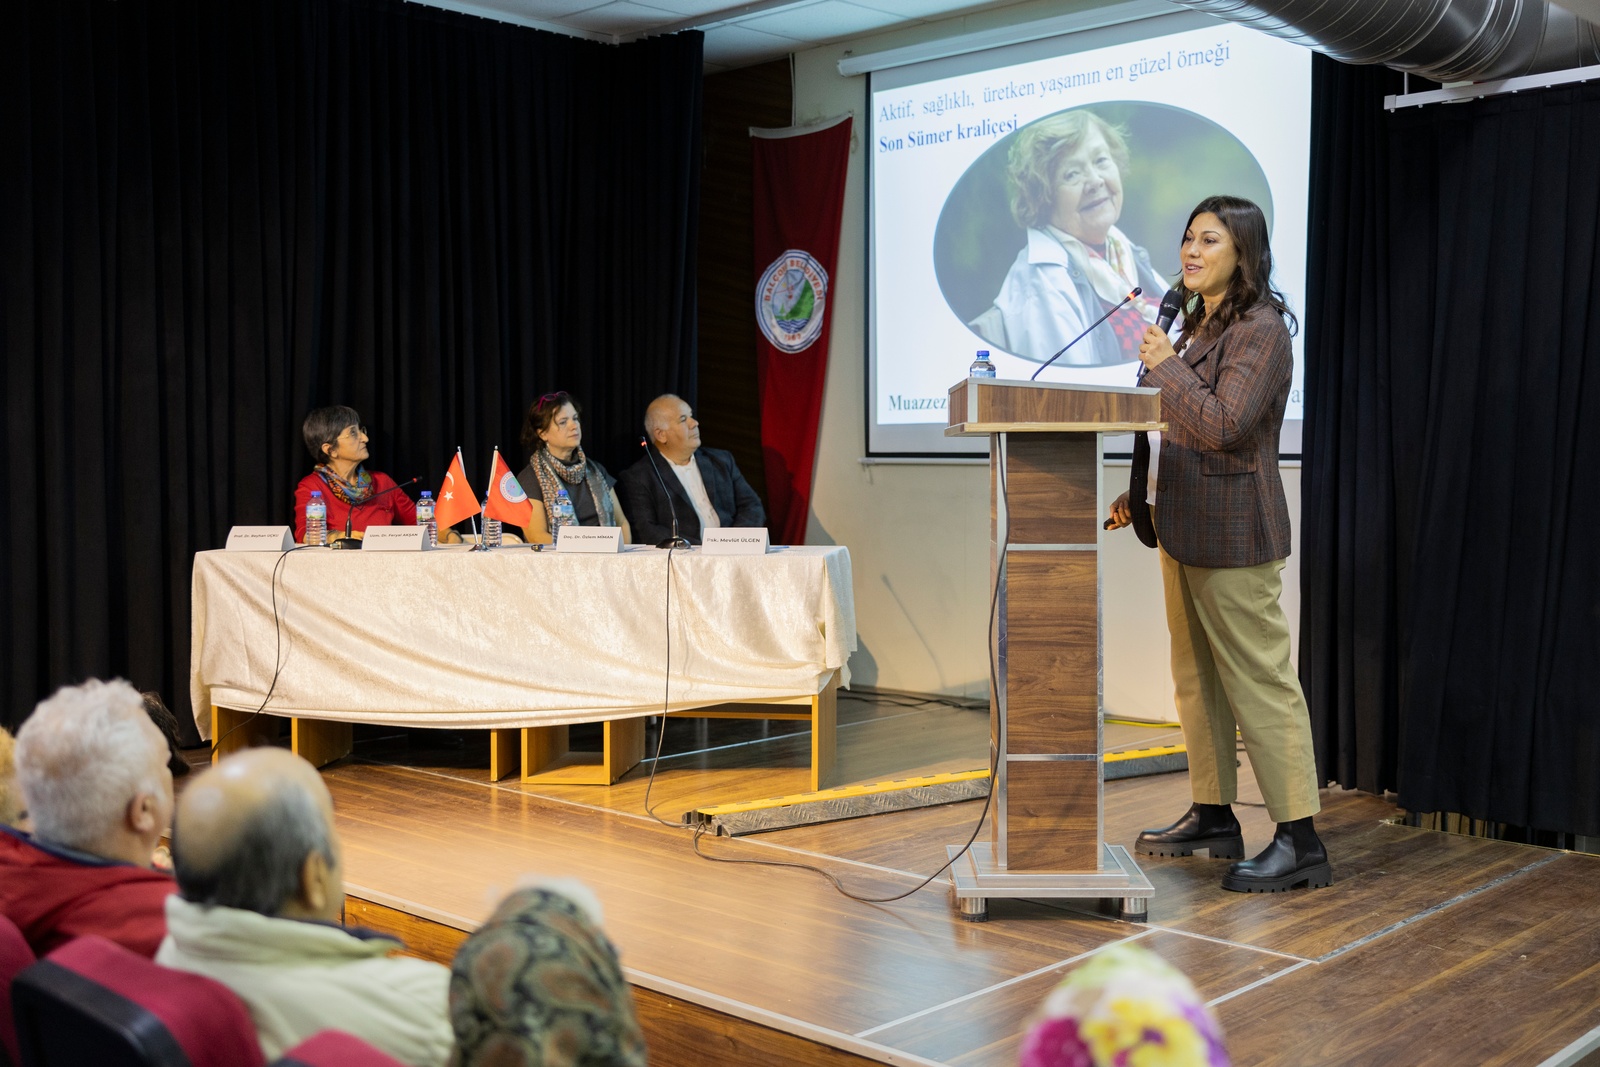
[
  {"x": 456, "y": 501},
  {"x": 507, "y": 501},
  {"x": 799, "y": 201}
]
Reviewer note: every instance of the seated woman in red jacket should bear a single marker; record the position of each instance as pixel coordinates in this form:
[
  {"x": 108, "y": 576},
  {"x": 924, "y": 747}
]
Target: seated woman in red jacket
[{"x": 337, "y": 440}]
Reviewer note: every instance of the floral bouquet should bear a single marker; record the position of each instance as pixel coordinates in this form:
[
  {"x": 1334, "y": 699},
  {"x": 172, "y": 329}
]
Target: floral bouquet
[{"x": 1126, "y": 1007}]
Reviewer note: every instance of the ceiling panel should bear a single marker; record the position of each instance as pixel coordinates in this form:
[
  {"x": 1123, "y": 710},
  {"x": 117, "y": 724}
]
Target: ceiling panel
[
  {"x": 738, "y": 46},
  {"x": 926, "y": 9},
  {"x": 622, "y": 17},
  {"x": 822, "y": 21},
  {"x": 693, "y": 8},
  {"x": 741, "y": 37},
  {"x": 543, "y": 10}
]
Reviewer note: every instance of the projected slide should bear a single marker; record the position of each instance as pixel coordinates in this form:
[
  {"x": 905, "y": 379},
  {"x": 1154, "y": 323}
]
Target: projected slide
[{"x": 1016, "y": 201}]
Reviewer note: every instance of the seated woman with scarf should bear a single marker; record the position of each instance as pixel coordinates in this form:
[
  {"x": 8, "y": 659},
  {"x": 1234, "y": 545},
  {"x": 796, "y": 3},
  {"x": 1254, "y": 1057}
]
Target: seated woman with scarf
[
  {"x": 552, "y": 433},
  {"x": 337, "y": 440}
]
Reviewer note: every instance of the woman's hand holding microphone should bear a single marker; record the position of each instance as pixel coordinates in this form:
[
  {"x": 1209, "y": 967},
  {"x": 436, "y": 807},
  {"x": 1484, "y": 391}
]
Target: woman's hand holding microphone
[
  {"x": 1120, "y": 516},
  {"x": 1155, "y": 347}
]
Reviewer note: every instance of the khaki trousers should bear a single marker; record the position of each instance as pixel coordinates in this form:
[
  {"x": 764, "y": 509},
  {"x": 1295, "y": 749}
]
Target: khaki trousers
[{"x": 1230, "y": 666}]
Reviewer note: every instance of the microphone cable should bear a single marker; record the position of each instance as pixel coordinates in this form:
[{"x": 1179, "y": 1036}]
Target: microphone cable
[
  {"x": 277, "y": 651},
  {"x": 666, "y": 699},
  {"x": 996, "y": 746}
]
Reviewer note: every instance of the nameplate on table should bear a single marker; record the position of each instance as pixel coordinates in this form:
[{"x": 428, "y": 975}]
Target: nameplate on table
[
  {"x": 260, "y": 539},
  {"x": 395, "y": 539},
  {"x": 589, "y": 539},
  {"x": 735, "y": 541}
]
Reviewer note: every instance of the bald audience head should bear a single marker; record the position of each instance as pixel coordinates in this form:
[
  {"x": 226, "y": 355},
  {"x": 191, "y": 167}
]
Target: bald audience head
[
  {"x": 672, "y": 427},
  {"x": 92, "y": 770},
  {"x": 256, "y": 833}
]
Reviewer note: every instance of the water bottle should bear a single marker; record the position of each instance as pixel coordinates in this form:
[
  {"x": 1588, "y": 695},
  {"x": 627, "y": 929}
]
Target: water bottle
[
  {"x": 565, "y": 514},
  {"x": 316, "y": 520},
  {"x": 981, "y": 367},
  {"x": 425, "y": 517},
  {"x": 491, "y": 528}
]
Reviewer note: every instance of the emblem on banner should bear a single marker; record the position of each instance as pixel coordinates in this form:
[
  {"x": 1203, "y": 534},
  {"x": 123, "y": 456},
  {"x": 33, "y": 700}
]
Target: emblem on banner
[
  {"x": 790, "y": 299},
  {"x": 511, "y": 489}
]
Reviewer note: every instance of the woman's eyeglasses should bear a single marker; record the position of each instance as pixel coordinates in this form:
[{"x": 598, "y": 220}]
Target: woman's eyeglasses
[{"x": 552, "y": 398}]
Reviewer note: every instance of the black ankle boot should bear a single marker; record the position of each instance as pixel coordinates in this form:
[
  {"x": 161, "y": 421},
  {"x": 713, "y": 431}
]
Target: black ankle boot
[
  {"x": 1208, "y": 826},
  {"x": 1295, "y": 857}
]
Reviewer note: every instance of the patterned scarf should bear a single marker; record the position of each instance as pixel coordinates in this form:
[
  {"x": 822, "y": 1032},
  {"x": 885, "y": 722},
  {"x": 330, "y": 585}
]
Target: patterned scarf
[
  {"x": 354, "y": 491},
  {"x": 1112, "y": 274},
  {"x": 552, "y": 472},
  {"x": 539, "y": 985}
]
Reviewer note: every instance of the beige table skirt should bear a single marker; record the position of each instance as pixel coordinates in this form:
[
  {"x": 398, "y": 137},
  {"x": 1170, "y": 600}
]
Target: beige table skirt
[{"x": 513, "y": 638}]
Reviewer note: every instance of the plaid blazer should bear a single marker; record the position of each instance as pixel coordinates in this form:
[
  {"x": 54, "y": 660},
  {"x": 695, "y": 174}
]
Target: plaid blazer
[{"x": 1219, "y": 498}]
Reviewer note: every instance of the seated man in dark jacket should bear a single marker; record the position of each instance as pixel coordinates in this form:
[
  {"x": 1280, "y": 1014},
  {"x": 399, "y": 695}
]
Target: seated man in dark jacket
[{"x": 703, "y": 485}]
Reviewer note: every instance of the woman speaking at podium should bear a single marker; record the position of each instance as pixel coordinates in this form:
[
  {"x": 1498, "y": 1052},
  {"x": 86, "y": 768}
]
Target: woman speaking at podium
[
  {"x": 355, "y": 497},
  {"x": 1223, "y": 525}
]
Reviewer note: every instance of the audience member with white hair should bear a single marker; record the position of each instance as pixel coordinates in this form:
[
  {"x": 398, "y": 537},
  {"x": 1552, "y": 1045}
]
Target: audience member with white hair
[
  {"x": 92, "y": 771},
  {"x": 260, "y": 896}
]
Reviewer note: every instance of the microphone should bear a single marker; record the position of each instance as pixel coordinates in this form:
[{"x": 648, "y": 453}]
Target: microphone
[
  {"x": 675, "y": 541},
  {"x": 1085, "y": 333},
  {"x": 1171, "y": 304},
  {"x": 348, "y": 540}
]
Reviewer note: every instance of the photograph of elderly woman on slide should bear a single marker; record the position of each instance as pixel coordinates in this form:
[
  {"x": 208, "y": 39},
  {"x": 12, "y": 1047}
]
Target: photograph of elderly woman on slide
[{"x": 1053, "y": 225}]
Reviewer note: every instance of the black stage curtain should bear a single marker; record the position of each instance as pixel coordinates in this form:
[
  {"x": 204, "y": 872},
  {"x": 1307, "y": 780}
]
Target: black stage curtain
[
  {"x": 1450, "y": 637},
  {"x": 215, "y": 217}
]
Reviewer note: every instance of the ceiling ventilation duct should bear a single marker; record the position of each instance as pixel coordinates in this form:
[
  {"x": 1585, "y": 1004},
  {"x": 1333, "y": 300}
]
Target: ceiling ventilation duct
[{"x": 1445, "y": 40}]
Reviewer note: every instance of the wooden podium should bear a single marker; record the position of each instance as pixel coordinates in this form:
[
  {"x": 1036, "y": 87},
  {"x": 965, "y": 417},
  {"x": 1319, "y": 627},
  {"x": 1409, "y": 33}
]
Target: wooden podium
[{"x": 1045, "y": 515}]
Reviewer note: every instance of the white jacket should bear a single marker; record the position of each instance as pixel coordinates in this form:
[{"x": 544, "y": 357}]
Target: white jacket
[{"x": 298, "y": 978}]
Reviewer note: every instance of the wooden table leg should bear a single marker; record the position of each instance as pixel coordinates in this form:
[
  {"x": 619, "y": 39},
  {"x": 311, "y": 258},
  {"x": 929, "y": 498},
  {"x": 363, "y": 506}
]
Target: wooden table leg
[
  {"x": 542, "y": 748},
  {"x": 624, "y": 746},
  {"x": 824, "y": 734},
  {"x": 233, "y": 730},
  {"x": 504, "y": 754},
  {"x": 320, "y": 742}
]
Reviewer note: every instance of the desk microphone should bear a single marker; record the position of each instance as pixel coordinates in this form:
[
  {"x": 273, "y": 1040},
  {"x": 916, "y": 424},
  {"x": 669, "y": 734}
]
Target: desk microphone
[
  {"x": 1085, "y": 333},
  {"x": 675, "y": 541},
  {"x": 347, "y": 540}
]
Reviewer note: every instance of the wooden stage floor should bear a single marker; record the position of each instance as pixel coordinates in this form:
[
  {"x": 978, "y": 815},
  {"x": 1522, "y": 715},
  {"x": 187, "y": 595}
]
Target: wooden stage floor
[{"x": 1429, "y": 948}]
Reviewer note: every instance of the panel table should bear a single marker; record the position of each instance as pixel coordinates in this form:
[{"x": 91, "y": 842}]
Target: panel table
[{"x": 516, "y": 640}]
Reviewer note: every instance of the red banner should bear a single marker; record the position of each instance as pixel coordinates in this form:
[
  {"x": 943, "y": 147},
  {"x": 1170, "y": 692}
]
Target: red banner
[{"x": 799, "y": 201}]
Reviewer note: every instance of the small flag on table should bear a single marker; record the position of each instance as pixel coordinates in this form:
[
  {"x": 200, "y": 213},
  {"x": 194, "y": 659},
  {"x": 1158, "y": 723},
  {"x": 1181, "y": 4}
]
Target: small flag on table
[
  {"x": 456, "y": 501},
  {"x": 507, "y": 502}
]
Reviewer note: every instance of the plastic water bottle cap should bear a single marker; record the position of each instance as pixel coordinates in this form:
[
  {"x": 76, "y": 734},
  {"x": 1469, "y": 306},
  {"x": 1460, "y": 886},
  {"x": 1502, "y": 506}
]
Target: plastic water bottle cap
[{"x": 983, "y": 353}]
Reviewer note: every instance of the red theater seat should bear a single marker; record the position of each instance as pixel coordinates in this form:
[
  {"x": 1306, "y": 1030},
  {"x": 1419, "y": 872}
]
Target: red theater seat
[
  {"x": 332, "y": 1048},
  {"x": 14, "y": 956},
  {"x": 93, "y": 1002}
]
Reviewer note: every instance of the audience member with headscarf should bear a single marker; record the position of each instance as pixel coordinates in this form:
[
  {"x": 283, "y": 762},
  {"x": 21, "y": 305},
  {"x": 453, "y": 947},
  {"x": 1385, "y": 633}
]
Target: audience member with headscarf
[{"x": 539, "y": 985}]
